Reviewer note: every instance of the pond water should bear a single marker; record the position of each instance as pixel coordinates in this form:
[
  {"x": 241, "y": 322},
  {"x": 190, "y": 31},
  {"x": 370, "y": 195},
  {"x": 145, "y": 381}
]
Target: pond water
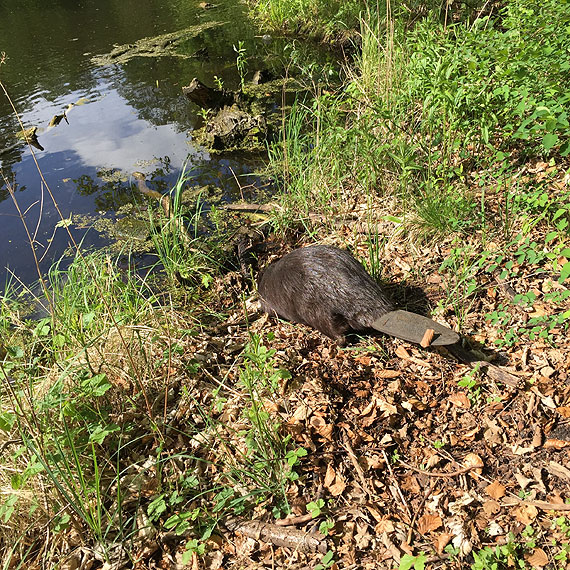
[{"x": 126, "y": 117}]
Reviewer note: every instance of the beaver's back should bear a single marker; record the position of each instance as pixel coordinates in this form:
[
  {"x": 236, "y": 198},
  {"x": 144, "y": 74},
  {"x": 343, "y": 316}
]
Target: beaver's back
[{"x": 323, "y": 287}]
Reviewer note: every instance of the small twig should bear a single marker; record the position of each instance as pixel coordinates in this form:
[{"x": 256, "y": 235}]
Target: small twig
[
  {"x": 542, "y": 505},
  {"x": 418, "y": 510},
  {"x": 440, "y": 473},
  {"x": 346, "y": 444},
  {"x": 396, "y": 485}
]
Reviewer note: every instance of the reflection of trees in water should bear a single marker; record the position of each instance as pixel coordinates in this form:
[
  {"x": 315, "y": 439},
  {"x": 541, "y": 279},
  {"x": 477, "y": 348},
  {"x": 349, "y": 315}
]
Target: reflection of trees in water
[
  {"x": 111, "y": 194},
  {"x": 7, "y": 177},
  {"x": 153, "y": 86},
  {"x": 11, "y": 150}
]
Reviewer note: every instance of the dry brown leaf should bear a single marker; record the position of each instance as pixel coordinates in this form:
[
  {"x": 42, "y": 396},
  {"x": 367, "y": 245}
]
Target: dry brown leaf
[
  {"x": 213, "y": 560},
  {"x": 559, "y": 470},
  {"x": 434, "y": 279},
  {"x": 300, "y": 414},
  {"x": 475, "y": 462},
  {"x": 428, "y": 522},
  {"x": 330, "y": 476},
  {"x": 495, "y": 490},
  {"x": 470, "y": 435},
  {"x": 372, "y": 462},
  {"x": 376, "y": 514},
  {"x": 362, "y": 536},
  {"x": 522, "y": 480},
  {"x": 370, "y": 406},
  {"x": 460, "y": 400},
  {"x": 540, "y": 311},
  {"x": 547, "y": 371},
  {"x": 525, "y": 513},
  {"x": 384, "y": 525},
  {"x": 413, "y": 403},
  {"x": 538, "y": 558},
  {"x": 410, "y": 483},
  {"x": 368, "y": 420},
  {"x": 556, "y": 444},
  {"x": 386, "y": 407},
  {"x": 71, "y": 563},
  {"x": 519, "y": 450},
  {"x": 491, "y": 508},
  {"x": 325, "y": 431},
  {"x": 402, "y": 353},
  {"x": 338, "y": 487},
  {"x": 387, "y": 373},
  {"x": 442, "y": 541},
  {"x": 270, "y": 406},
  {"x": 333, "y": 482},
  {"x": 432, "y": 461},
  {"x": 564, "y": 411}
]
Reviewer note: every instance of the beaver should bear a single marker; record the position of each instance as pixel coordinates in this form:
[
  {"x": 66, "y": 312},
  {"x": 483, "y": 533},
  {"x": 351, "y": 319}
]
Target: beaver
[{"x": 328, "y": 289}]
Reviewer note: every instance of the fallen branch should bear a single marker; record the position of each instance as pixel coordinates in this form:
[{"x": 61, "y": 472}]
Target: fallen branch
[
  {"x": 279, "y": 535},
  {"x": 494, "y": 372},
  {"x": 444, "y": 474},
  {"x": 247, "y": 207}
]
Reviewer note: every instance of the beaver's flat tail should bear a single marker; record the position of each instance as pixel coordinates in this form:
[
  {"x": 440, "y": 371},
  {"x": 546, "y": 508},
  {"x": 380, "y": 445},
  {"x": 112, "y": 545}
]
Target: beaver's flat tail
[{"x": 412, "y": 327}]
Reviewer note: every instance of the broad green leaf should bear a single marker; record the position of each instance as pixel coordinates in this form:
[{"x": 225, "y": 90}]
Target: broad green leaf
[
  {"x": 549, "y": 140},
  {"x": 564, "y": 273}
]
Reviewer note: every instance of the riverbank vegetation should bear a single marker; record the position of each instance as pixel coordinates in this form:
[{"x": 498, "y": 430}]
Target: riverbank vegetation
[{"x": 154, "y": 423}]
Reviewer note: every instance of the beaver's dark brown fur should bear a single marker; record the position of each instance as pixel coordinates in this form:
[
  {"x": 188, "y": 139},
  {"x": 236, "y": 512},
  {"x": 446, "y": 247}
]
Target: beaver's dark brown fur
[
  {"x": 327, "y": 289},
  {"x": 323, "y": 287}
]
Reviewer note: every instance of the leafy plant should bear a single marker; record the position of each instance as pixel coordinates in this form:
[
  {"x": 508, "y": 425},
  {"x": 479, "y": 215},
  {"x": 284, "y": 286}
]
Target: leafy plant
[
  {"x": 327, "y": 561},
  {"x": 416, "y": 562},
  {"x": 241, "y": 61},
  {"x": 501, "y": 557}
]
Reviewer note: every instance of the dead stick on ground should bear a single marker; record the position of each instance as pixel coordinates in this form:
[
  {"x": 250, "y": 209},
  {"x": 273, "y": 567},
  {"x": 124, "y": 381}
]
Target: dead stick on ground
[
  {"x": 278, "y": 535},
  {"x": 396, "y": 485},
  {"x": 418, "y": 510},
  {"x": 542, "y": 505},
  {"x": 359, "y": 470}
]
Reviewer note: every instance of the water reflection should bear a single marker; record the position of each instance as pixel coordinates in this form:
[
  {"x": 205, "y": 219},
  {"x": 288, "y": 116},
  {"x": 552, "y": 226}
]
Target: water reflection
[{"x": 130, "y": 114}]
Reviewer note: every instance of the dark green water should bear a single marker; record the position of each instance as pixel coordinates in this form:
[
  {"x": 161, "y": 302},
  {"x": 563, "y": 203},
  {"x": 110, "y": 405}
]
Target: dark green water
[{"x": 132, "y": 114}]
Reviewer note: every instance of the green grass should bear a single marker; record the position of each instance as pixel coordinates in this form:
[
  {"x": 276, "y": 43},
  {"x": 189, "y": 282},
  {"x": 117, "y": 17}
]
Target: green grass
[
  {"x": 84, "y": 413},
  {"x": 323, "y": 18},
  {"x": 426, "y": 107},
  {"x": 180, "y": 248}
]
